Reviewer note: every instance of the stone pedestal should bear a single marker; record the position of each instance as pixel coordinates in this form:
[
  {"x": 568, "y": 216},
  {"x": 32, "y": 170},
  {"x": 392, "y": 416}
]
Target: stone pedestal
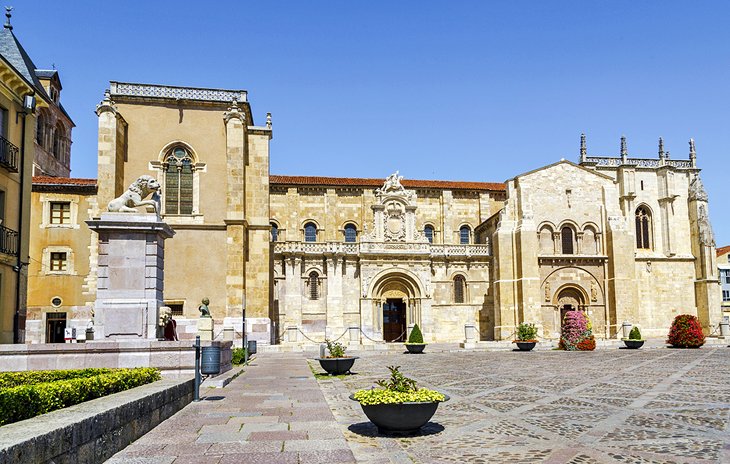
[
  {"x": 205, "y": 328},
  {"x": 130, "y": 275}
]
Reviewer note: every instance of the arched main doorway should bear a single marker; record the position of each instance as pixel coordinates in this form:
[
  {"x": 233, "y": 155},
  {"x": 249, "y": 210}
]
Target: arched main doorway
[
  {"x": 570, "y": 299},
  {"x": 397, "y": 297}
]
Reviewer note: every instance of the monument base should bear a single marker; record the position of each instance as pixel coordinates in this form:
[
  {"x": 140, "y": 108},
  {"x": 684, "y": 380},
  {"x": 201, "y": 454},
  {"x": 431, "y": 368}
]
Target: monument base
[{"x": 205, "y": 328}]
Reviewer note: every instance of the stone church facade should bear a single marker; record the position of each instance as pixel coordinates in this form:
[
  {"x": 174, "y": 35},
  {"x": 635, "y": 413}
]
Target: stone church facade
[{"x": 362, "y": 260}]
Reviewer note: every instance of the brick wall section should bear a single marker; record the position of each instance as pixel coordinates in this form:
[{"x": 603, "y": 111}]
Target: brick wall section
[{"x": 92, "y": 432}]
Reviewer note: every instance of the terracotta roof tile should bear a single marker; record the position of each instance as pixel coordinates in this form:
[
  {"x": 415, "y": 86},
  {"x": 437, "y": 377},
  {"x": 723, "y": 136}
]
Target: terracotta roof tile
[
  {"x": 48, "y": 180},
  {"x": 360, "y": 182},
  {"x": 722, "y": 250}
]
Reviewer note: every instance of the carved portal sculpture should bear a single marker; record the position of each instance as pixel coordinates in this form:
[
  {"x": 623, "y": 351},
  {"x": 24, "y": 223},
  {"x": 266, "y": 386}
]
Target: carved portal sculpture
[{"x": 135, "y": 196}]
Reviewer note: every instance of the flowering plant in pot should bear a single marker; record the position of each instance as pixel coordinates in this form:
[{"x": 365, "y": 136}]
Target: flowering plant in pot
[
  {"x": 634, "y": 341},
  {"x": 686, "y": 332},
  {"x": 526, "y": 336},
  {"x": 398, "y": 405},
  {"x": 415, "y": 340},
  {"x": 337, "y": 362},
  {"x": 577, "y": 333}
]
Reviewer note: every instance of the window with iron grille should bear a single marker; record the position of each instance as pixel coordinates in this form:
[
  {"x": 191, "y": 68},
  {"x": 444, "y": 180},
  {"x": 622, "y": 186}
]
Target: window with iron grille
[
  {"x": 643, "y": 228},
  {"x": 178, "y": 182},
  {"x": 310, "y": 232},
  {"x": 350, "y": 233},
  {"x": 177, "y": 308},
  {"x": 567, "y": 239},
  {"x": 59, "y": 261},
  {"x": 428, "y": 232},
  {"x": 60, "y": 212},
  {"x": 464, "y": 235},
  {"x": 459, "y": 287},
  {"x": 313, "y": 284},
  {"x": 726, "y": 295}
]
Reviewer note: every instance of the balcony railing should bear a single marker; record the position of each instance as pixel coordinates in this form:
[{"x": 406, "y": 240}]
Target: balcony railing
[
  {"x": 378, "y": 247},
  {"x": 9, "y": 155},
  {"x": 9, "y": 241}
]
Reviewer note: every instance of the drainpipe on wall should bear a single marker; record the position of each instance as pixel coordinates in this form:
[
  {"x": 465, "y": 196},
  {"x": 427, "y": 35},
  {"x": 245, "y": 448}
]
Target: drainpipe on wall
[{"x": 28, "y": 108}]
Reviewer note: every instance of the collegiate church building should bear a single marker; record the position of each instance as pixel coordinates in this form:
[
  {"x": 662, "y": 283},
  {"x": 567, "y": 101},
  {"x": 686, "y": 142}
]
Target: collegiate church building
[{"x": 360, "y": 260}]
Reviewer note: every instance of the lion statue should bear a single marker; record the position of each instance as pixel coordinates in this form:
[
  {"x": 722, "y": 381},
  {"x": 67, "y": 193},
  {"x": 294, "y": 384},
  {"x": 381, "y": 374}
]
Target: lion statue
[{"x": 135, "y": 196}]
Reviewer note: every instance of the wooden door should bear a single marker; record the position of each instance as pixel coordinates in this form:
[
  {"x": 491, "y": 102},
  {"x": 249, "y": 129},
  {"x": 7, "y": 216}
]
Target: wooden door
[{"x": 394, "y": 320}]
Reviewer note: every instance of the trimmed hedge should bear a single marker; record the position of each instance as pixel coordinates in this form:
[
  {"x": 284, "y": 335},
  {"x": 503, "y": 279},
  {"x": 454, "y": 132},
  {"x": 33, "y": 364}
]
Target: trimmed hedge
[
  {"x": 416, "y": 337},
  {"x": 15, "y": 379},
  {"x": 25, "y": 401}
]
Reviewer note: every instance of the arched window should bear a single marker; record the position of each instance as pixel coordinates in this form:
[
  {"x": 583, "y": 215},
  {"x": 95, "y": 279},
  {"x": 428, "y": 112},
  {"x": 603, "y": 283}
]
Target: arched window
[
  {"x": 459, "y": 289},
  {"x": 313, "y": 284},
  {"x": 350, "y": 233},
  {"x": 464, "y": 235},
  {"x": 310, "y": 232},
  {"x": 428, "y": 232},
  {"x": 40, "y": 129},
  {"x": 567, "y": 238},
  {"x": 58, "y": 137},
  {"x": 178, "y": 192},
  {"x": 274, "y": 232},
  {"x": 643, "y": 228}
]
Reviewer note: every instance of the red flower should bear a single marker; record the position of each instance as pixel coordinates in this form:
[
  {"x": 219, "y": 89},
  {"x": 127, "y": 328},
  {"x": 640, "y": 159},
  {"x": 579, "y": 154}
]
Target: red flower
[{"x": 686, "y": 332}]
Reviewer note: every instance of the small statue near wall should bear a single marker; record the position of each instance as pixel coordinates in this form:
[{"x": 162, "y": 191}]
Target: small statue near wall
[
  {"x": 203, "y": 308},
  {"x": 594, "y": 292},
  {"x": 547, "y": 291}
]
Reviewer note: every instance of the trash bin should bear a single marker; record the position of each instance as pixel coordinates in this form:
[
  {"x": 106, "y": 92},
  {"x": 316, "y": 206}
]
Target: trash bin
[
  {"x": 89, "y": 334},
  {"x": 211, "y": 360},
  {"x": 251, "y": 347}
]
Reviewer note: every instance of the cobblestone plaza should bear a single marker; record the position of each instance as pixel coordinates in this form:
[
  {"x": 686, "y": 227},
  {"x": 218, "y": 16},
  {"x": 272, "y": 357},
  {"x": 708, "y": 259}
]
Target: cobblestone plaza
[
  {"x": 654, "y": 405},
  {"x": 608, "y": 406}
]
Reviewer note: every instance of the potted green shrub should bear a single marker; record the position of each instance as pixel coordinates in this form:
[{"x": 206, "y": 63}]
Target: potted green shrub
[
  {"x": 634, "y": 341},
  {"x": 526, "y": 336},
  {"x": 415, "y": 341},
  {"x": 337, "y": 363},
  {"x": 398, "y": 405},
  {"x": 686, "y": 332}
]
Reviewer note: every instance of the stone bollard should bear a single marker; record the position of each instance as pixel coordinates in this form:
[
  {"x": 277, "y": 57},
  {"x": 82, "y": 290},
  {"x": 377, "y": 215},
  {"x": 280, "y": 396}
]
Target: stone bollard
[
  {"x": 354, "y": 334},
  {"x": 228, "y": 333},
  {"x": 626, "y": 329},
  {"x": 322, "y": 350},
  {"x": 291, "y": 334},
  {"x": 724, "y": 329},
  {"x": 470, "y": 338}
]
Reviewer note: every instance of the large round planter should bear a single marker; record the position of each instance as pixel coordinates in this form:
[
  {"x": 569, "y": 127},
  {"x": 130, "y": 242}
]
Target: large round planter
[
  {"x": 415, "y": 347},
  {"x": 633, "y": 344},
  {"x": 337, "y": 366},
  {"x": 400, "y": 417},
  {"x": 525, "y": 346}
]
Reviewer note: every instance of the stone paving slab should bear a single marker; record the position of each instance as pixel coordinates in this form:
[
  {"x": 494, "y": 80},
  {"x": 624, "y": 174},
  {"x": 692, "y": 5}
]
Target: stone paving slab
[
  {"x": 274, "y": 412},
  {"x": 608, "y": 406}
]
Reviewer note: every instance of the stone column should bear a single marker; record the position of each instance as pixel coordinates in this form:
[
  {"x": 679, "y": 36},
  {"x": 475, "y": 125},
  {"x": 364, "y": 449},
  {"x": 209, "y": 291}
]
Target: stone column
[
  {"x": 335, "y": 319},
  {"x": 111, "y": 150},
  {"x": 293, "y": 292},
  {"x": 235, "y": 124},
  {"x": 131, "y": 275}
]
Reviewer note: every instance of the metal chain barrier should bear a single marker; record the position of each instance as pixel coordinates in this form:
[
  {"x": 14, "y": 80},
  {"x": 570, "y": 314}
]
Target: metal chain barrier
[{"x": 315, "y": 341}]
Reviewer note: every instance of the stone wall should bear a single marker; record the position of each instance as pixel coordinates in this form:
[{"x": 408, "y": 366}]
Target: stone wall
[
  {"x": 172, "y": 358},
  {"x": 93, "y": 431}
]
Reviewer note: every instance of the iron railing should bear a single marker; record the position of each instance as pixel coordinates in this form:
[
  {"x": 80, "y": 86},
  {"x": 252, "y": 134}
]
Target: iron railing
[
  {"x": 8, "y": 155},
  {"x": 9, "y": 241}
]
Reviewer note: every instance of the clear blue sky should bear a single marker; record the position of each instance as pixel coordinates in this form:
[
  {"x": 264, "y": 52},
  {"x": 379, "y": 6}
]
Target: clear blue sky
[{"x": 457, "y": 90}]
